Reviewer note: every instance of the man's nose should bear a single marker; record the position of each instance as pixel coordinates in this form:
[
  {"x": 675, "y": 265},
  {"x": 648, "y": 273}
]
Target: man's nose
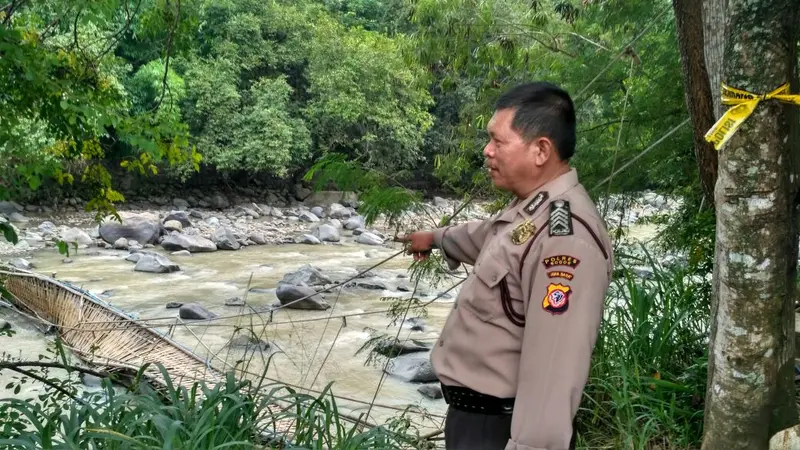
[{"x": 488, "y": 150}]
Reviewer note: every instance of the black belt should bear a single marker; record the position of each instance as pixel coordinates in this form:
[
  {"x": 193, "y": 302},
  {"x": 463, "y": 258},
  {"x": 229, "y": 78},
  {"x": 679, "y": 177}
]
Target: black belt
[{"x": 466, "y": 399}]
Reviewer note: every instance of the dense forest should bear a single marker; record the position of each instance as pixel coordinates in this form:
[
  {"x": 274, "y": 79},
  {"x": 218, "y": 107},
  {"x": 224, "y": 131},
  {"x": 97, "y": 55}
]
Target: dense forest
[{"x": 239, "y": 92}]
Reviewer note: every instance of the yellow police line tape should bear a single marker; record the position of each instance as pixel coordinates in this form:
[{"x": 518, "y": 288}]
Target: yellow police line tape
[{"x": 744, "y": 103}]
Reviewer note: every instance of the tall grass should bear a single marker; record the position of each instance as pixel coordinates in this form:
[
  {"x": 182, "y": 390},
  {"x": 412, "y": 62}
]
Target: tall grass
[
  {"x": 648, "y": 377},
  {"x": 233, "y": 414}
]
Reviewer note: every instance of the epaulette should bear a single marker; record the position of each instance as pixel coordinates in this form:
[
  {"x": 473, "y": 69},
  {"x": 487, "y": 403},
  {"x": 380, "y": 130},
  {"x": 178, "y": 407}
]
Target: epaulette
[{"x": 560, "y": 222}]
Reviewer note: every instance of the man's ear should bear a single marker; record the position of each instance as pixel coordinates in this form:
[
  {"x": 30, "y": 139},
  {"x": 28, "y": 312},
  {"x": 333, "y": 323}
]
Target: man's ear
[{"x": 543, "y": 150}]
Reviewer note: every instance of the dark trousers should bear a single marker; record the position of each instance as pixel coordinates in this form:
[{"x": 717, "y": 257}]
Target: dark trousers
[{"x": 473, "y": 431}]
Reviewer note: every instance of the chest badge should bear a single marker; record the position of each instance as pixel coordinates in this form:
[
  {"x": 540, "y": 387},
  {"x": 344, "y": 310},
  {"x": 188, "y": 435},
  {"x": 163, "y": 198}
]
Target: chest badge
[{"x": 523, "y": 232}]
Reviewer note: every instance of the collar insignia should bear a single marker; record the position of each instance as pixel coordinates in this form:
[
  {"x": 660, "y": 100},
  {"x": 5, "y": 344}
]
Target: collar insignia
[
  {"x": 523, "y": 232},
  {"x": 536, "y": 202},
  {"x": 560, "y": 218}
]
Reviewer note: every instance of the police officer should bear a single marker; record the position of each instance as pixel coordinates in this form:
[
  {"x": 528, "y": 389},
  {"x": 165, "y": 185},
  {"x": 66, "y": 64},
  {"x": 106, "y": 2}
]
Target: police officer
[{"x": 514, "y": 355}]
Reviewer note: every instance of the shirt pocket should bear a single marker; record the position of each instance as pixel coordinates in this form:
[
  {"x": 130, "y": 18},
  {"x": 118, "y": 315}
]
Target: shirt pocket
[
  {"x": 517, "y": 299},
  {"x": 485, "y": 299}
]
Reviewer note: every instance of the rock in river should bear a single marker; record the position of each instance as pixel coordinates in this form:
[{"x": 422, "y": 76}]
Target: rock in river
[
  {"x": 226, "y": 239},
  {"x": 397, "y": 348},
  {"x": 135, "y": 228},
  {"x": 288, "y": 293},
  {"x": 412, "y": 368},
  {"x": 369, "y": 239},
  {"x": 433, "y": 391},
  {"x": 193, "y": 311},
  {"x": 308, "y": 275},
  {"x": 78, "y": 236},
  {"x": 327, "y": 233},
  {"x": 155, "y": 264},
  {"x": 249, "y": 342},
  {"x": 194, "y": 244}
]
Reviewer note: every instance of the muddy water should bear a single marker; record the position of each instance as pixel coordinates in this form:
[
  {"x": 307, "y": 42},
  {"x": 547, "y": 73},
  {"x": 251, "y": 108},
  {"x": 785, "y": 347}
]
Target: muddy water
[
  {"x": 299, "y": 347},
  {"x": 299, "y": 343}
]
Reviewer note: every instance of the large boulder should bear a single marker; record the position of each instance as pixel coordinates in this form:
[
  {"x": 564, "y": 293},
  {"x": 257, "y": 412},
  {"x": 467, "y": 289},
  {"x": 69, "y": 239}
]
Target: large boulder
[
  {"x": 135, "y": 228},
  {"x": 78, "y": 236},
  {"x": 194, "y": 244},
  {"x": 412, "y": 368},
  {"x": 226, "y": 239},
  {"x": 7, "y": 208},
  {"x": 179, "y": 216},
  {"x": 289, "y": 294},
  {"x": 193, "y": 311},
  {"x": 306, "y": 275},
  {"x": 308, "y": 216},
  {"x": 369, "y": 239},
  {"x": 354, "y": 223},
  {"x": 327, "y": 198},
  {"x": 155, "y": 264},
  {"x": 327, "y": 233}
]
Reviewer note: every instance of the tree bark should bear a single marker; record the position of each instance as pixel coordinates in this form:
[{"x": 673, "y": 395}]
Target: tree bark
[
  {"x": 756, "y": 254},
  {"x": 689, "y": 22},
  {"x": 715, "y": 20}
]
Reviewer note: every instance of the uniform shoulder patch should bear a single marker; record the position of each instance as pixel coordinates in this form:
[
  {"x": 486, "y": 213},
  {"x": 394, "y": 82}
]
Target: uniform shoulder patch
[
  {"x": 560, "y": 274},
  {"x": 536, "y": 202},
  {"x": 561, "y": 260},
  {"x": 560, "y": 223},
  {"x": 556, "y": 300}
]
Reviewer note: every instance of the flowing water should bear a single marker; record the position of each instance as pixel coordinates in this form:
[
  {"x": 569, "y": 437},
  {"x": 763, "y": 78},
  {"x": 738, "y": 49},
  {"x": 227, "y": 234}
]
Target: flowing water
[{"x": 299, "y": 345}]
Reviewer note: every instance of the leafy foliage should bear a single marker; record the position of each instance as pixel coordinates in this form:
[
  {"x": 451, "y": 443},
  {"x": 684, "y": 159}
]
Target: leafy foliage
[
  {"x": 648, "y": 376},
  {"x": 230, "y": 414},
  {"x": 378, "y": 196},
  {"x": 61, "y": 78}
]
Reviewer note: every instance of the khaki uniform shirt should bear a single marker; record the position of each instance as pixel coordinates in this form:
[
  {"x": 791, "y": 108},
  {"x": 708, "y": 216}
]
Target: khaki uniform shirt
[{"x": 557, "y": 275}]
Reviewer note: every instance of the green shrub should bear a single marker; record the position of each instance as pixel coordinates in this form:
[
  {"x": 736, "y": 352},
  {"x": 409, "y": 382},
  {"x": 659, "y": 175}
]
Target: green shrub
[
  {"x": 233, "y": 414},
  {"x": 648, "y": 377}
]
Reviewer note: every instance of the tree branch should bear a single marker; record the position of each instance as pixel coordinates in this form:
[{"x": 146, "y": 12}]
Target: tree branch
[
  {"x": 116, "y": 37},
  {"x": 10, "y": 9},
  {"x": 47, "y": 382},
  {"x": 19, "y": 364},
  {"x": 170, "y": 36}
]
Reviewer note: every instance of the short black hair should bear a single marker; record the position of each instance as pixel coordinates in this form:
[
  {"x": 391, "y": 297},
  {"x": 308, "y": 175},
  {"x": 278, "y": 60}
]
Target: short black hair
[{"x": 542, "y": 109}]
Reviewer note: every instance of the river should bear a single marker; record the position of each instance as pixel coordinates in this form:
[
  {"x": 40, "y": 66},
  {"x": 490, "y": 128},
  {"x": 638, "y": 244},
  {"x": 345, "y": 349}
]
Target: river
[
  {"x": 210, "y": 278},
  {"x": 299, "y": 345}
]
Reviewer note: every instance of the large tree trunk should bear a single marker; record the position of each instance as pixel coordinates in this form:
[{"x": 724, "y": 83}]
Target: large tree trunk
[
  {"x": 689, "y": 21},
  {"x": 751, "y": 350},
  {"x": 715, "y": 19}
]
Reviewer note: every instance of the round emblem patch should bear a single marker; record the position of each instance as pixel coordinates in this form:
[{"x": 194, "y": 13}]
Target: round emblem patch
[{"x": 556, "y": 300}]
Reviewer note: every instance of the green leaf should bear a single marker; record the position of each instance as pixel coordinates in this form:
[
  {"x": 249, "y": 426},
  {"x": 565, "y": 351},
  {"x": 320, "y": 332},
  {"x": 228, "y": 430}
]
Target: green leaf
[
  {"x": 63, "y": 248},
  {"x": 9, "y": 233},
  {"x": 34, "y": 182}
]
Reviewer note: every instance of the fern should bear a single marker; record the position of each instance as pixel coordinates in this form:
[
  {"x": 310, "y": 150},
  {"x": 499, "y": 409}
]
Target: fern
[
  {"x": 380, "y": 194},
  {"x": 392, "y": 202},
  {"x": 383, "y": 197}
]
